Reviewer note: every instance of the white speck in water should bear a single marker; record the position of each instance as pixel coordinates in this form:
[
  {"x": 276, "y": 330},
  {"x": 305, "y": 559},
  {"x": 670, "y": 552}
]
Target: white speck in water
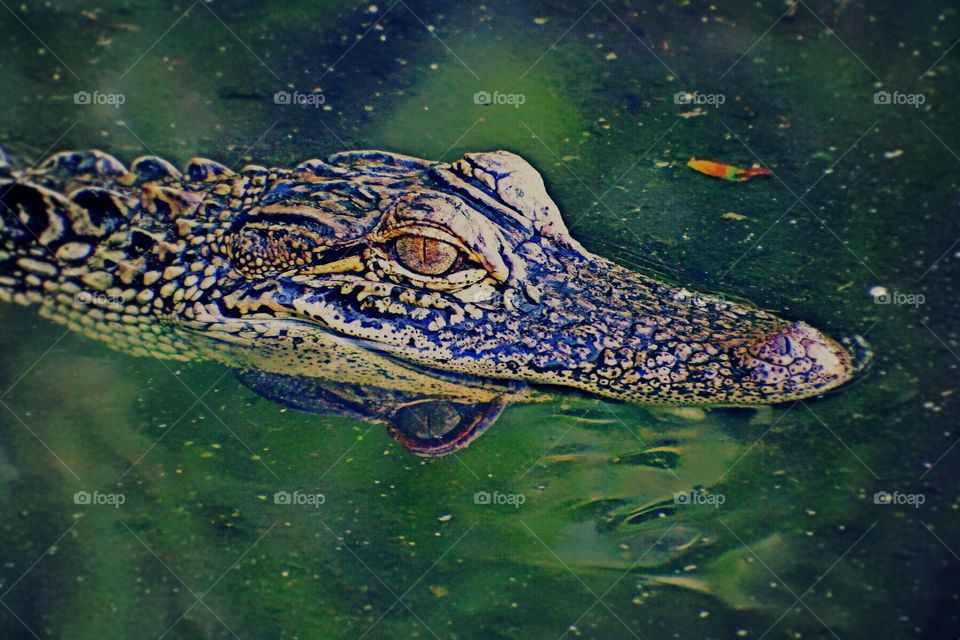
[{"x": 890, "y": 155}]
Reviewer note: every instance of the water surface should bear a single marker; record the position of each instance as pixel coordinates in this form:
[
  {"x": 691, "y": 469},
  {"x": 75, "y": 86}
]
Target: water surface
[{"x": 583, "y": 536}]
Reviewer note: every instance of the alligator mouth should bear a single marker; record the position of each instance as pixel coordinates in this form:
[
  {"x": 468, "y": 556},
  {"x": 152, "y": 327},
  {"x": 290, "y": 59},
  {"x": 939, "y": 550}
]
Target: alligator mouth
[
  {"x": 797, "y": 352},
  {"x": 795, "y": 355}
]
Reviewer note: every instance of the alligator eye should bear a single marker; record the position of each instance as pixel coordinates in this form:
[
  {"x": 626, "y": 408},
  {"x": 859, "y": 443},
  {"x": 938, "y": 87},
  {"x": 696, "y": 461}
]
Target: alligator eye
[{"x": 426, "y": 256}]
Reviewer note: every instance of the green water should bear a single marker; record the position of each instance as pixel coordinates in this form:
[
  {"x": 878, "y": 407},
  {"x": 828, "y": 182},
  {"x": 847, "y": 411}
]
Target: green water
[{"x": 788, "y": 541}]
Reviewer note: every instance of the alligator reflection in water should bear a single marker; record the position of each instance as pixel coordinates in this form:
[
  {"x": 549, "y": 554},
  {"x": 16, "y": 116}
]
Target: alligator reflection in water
[
  {"x": 421, "y": 295},
  {"x": 599, "y": 482},
  {"x": 619, "y": 481},
  {"x": 644, "y": 496}
]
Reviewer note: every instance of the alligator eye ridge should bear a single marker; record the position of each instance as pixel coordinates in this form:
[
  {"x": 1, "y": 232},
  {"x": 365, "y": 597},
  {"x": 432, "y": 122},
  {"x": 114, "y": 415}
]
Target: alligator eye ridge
[{"x": 426, "y": 256}]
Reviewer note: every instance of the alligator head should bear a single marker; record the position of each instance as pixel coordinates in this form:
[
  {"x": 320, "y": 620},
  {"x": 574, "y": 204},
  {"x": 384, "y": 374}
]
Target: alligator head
[{"x": 375, "y": 270}]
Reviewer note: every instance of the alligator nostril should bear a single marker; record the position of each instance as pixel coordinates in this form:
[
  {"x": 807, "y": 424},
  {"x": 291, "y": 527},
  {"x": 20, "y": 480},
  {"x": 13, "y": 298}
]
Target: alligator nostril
[
  {"x": 781, "y": 345},
  {"x": 778, "y": 348}
]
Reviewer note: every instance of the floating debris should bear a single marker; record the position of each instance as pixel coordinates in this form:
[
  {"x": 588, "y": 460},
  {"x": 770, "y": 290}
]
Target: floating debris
[
  {"x": 733, "y": 215},
  {"x": 693, "y": 414},
  {"x": 692, "y": 114},
  {"x": 727, "y": 171}
]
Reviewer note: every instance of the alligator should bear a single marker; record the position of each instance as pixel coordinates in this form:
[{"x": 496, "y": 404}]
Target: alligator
[{"x": 423, "y": 295}]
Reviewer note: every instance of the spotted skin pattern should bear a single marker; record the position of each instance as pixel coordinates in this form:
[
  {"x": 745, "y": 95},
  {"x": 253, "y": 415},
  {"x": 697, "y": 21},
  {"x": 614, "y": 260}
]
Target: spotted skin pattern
[{"x": 446, "y": 281}]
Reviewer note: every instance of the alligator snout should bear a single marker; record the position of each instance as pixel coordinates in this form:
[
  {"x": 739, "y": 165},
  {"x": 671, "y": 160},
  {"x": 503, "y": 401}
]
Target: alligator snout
[
  {"x": 620, "y": 334},
  {"x": 797, "y": 357}
]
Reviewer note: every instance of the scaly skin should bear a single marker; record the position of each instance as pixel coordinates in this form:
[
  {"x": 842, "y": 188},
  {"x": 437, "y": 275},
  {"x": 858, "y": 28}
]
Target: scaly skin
[{"x": 374, "y": 269}]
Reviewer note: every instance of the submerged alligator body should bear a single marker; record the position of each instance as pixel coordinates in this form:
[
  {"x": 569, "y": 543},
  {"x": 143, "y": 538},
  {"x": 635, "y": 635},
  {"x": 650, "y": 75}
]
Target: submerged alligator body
[{"x": 422, "y": 295}]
